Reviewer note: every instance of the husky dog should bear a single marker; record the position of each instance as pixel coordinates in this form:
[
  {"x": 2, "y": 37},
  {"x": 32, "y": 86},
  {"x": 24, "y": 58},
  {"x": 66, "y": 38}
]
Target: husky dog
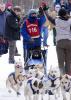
[
  {"x": 54, "y": 80},
  {"x": 32, "y": 88},
  {"x": 39, "y": 67},
  {"x": 15, "y": 78},
  {"x": 66, "y": 85},
  {"x": 13, "y": 83}
]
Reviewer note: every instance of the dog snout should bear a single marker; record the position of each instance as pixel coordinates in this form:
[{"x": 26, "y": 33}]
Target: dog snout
[
  {"x": 36, "y": 75},
  {"x": 54, "y": 76},
  {"x": 64, "y": 87}
]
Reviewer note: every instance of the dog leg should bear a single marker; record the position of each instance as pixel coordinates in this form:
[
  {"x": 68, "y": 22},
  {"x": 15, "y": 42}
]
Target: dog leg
[
  {"x": 57, "y": 93},
  {"x": 49, "y": 97},
  {"x": 15, "y": 89},
  {"x": 55, "y": 96},
  {"x": 26, "y": 98},
  {"x": 18, "y": 87},
  {"x": 70, "y": 96},
  {"x": 35, "y": 97},
  {"x": 64, "y": 96},
  {"x": 8, "y": 85},
  {"x": 29, "y": 97},
  {"x": 41, "y": 96}
]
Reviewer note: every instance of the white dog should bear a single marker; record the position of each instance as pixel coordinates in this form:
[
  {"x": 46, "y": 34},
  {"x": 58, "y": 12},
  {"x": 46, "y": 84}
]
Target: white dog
[
  {"x": 54, "y": 81},
  {"x": 15, "y": 79},
  {"x": 14, "y": 84},
  {"x": 66, "y": 85},
  {"x": 32, "y": 88}
]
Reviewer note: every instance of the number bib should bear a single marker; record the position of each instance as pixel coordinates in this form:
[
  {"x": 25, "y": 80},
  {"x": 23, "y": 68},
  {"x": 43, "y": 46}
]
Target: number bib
[{"x": 33, "y": 29}]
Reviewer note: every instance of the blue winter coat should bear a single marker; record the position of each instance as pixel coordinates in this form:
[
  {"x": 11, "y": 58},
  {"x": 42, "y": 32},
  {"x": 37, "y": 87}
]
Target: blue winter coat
[
  {"x": 27, "y": 37},
  {"x": 3, "y": 16},
  {"x": 68, "y": 7}
]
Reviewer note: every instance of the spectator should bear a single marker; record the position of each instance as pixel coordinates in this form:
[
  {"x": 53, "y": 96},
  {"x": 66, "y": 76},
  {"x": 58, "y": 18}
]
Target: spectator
[
  {"x": 63, "y": 40},
  {"x": 57, "y": 2},
  {"x": 54, "y": 14},
  {"x": 31, "y": 32},
  {"x": 3, "y": 15},
  {"x": 68, "y": 7},
  {"x": 57, "y": 8},
  {"x": 12, "y": 31},
  {"x": 9, "y": 8}
]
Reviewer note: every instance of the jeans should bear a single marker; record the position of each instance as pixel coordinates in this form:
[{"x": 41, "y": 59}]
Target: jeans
[{"x": 44, "y": 32}]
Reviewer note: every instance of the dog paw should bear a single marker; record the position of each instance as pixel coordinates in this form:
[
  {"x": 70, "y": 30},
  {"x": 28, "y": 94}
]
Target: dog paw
[
  {"x": 50, "y": 92},
  {"x": 18, "y": 94},
  {"x": 9, "y": 91}
]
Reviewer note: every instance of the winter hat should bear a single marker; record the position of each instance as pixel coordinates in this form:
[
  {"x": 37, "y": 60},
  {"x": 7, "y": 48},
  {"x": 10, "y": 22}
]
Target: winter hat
[
  {"x": 32, "y": 18},
  {"x": 62, "y": 12},
  {"x": 44, "y": 5},
  {"x": 32, "y": 11},
  {"x": 9, "y": 5},
  {"x": 18, "y": 8}
]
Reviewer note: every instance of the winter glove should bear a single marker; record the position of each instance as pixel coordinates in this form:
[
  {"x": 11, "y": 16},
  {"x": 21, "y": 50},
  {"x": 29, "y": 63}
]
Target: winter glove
[
  {"x": 41, "y": 12},
  {"x": 44, "y": 6}
]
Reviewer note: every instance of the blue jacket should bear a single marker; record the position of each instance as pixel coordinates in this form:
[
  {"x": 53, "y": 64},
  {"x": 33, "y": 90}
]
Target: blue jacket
[
  {"x": 68, "y": 7},
  {"x": 57, "y": 2},
  {"x": 3, "y": 16},
  {"x": 27, "y": 37}
]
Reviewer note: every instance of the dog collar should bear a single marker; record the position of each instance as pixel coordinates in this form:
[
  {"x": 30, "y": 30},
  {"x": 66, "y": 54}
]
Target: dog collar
[
  {"x": 52, "y": 81},
  {"x": 67, "y": 90},
  {"x": 51, "y": 78},
  {"x": 13, "y": 74}
]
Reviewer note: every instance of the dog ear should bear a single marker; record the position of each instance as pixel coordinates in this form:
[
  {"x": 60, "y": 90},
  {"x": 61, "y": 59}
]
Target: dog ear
[
  {"x": 35, "y": 83},
  {"x": 66, "y": 76}
]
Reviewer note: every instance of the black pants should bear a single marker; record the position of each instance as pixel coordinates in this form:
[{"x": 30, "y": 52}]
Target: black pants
[{"x": 63, "y": 48}]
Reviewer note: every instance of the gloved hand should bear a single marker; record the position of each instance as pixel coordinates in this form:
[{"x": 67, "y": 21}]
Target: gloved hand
[
  {"x": 45, "y": 6},
  {"x": 41, "y": 12}
]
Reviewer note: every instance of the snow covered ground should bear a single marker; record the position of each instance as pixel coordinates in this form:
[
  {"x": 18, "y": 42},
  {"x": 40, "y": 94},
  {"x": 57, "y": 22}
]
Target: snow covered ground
[{"x": 6, "y": 69}]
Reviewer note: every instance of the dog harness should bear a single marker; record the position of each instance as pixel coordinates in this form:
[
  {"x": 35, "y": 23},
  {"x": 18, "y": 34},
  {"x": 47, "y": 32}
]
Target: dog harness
[
  {"x": 52, "y": 85},
  {"x": 13, "y": 74},
  {"x": 34, "y": 92},
  {"x": 52, "y": 81},
  {"x": 33, "y": 29},
  {"x": 67, "y": 90}
]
